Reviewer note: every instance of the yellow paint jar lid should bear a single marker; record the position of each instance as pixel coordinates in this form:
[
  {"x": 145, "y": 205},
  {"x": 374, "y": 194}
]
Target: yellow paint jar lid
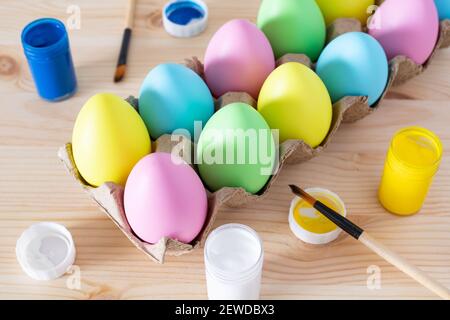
[{"x": 308, "y": 224}]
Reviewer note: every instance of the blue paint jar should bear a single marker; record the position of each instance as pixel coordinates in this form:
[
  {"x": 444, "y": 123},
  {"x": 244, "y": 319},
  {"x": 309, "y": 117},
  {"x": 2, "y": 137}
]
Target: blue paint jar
[{"x": 46, "y": 46}]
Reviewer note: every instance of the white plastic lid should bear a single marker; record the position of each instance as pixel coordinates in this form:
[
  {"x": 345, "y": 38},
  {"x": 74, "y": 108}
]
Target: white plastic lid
[
  {"x": 45, "y": 251},
  {"x": 178, "y": 20},
  {"x": 306, "y": 235}
]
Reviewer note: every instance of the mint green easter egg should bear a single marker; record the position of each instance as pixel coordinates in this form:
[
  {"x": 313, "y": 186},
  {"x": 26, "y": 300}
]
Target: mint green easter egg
[
  {"x": 236, "y": 149},
  {"x": 293, "y": 26}
]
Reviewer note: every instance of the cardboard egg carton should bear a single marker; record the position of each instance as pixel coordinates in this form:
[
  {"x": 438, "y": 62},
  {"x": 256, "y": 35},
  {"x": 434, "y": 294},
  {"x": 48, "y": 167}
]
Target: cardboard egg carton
[{"x": 109, "y": 196}]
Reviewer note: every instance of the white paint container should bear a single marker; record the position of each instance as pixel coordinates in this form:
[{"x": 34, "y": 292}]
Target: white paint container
[{"x": 233, "y": 261}]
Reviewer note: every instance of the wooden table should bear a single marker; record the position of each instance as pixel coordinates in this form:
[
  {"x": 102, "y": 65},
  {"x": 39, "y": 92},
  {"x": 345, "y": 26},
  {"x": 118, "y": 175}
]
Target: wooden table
[{"x": 35, "y": 187}]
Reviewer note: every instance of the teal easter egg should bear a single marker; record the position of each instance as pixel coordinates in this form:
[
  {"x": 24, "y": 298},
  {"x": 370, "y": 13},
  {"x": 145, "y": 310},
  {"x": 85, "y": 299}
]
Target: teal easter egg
[
  {"x": 443, "y": 7},
  {"x": 236, "y": 149},
  {"x": 174, "y": 97},
  {"x": 354, "y": 64}
]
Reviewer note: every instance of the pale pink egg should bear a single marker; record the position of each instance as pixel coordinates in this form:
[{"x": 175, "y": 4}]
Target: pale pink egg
[
  {"x": 406, "y": 27},
  {"x": 164, "y": 198},
  {"x": 238, "y": 58}
]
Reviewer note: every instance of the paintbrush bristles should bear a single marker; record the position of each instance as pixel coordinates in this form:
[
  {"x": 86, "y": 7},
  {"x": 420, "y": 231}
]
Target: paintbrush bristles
[
  {"x": 301, "y": 193},
  {"x": 120, "y": 72}
]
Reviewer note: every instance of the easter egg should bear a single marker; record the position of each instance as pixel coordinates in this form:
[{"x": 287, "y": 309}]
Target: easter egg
[
  {"x": 293, "y": 26},
  {"x": 174, "y": 97},
  {"x": 108, "y": 139},
  {"x": 295, "y": 101},
  {"x": 443, "y": 7},
  {"x": 236, "y": 149},
  {"x": 358, "y": 9},
  {"x": 238, "y": 58},
  {"x": 164, "y": 197},
  {"x": 354, "y": 64},
  {"x": 406, "y": 28}
]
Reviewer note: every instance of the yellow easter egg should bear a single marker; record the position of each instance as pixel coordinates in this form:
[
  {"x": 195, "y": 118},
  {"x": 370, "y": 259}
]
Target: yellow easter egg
[
  {"x": 334, "y": 9},
  {"x": 109, "y": 138},
  {"x": 295, "y": 101}
]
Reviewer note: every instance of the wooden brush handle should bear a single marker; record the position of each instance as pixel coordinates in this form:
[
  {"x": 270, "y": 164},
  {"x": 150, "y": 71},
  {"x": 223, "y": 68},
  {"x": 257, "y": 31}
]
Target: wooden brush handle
[
  {"x": 404, "y": 266},
  {"x": 129, "y": 20}
]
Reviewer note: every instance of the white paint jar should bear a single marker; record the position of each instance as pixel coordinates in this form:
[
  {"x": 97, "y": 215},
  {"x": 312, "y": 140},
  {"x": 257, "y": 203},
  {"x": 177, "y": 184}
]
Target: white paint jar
[{"x": 233, "y": 261}]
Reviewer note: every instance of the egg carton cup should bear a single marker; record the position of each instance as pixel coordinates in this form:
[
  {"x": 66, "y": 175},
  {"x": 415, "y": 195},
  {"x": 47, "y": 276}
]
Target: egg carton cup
[{"x": 109, "y": 196}]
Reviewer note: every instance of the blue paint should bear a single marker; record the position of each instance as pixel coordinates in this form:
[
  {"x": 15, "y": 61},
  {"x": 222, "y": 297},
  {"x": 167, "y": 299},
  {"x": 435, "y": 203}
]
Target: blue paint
[
  {"x": 183, "y": 12},
  {"x": 46, "y": 46}
]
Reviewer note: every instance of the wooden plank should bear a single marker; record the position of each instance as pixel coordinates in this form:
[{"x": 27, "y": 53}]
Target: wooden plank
[{"x": 35, "y": 187}]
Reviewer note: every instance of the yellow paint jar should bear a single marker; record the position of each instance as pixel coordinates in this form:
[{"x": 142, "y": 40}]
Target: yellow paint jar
[{"x": 411, "y": 163}]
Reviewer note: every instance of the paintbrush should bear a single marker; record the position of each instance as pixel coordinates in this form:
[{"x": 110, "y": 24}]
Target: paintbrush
[
  {"x": 122, "y": 61},
  {"x": 373, "y": 244}
]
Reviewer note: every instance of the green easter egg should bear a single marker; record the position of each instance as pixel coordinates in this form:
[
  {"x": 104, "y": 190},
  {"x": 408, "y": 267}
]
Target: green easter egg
[
  {"x": 236, "y": 149},
  {"x": 293, "y": 26}
]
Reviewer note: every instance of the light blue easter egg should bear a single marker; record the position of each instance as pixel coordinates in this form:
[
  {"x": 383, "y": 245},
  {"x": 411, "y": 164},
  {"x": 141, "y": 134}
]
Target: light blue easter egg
[
  {"x": 354, "y": 64},
  {"x": 173, "y": 97},
  {"x": 443, "y": 7}
]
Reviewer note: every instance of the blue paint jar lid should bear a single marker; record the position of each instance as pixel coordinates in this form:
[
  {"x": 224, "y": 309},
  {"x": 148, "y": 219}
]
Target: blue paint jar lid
[{"x": 185, "y": 18}]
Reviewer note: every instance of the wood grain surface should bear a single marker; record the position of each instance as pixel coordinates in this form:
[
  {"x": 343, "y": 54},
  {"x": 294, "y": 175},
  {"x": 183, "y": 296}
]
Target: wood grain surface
[{"x": 35, "y": 187}]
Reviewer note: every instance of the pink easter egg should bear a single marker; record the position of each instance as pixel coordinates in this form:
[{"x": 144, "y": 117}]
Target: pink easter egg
[
  {"x": 406, "y": 27},
  {"x": 164, "y": 197},
  {"x": 238, "y": 58}
]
